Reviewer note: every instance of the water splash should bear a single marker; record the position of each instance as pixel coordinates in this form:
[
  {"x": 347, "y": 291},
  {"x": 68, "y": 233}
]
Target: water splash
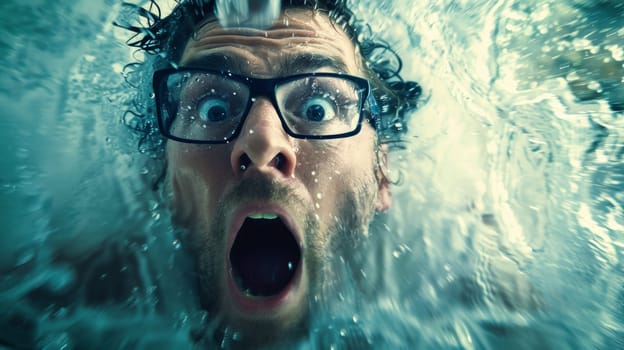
[{"x": 247, "y": 13}]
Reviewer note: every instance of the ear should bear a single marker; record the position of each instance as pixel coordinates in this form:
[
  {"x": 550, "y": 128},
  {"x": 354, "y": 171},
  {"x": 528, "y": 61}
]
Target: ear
[{"x": 384, "y": 195}]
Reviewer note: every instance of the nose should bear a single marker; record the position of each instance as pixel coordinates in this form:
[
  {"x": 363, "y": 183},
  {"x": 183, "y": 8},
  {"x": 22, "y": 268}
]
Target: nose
[{"x": 263, "y": 143}]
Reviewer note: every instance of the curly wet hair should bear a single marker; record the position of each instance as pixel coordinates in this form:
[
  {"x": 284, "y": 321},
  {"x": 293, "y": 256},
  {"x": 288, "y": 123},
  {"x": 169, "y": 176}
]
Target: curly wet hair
[{"x": 163, "y": 40}]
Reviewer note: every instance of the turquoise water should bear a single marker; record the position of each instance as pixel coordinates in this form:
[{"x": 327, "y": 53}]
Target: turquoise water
[{"x": 507, "y": 229}]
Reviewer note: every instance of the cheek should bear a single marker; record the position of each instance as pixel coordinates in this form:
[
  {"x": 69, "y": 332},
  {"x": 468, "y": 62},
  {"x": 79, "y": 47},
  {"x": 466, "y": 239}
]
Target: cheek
[
  {"x": 196, "y": 175},
  {"x": 334, "y": 169}
]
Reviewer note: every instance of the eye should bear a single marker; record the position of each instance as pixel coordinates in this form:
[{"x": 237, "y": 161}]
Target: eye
[
  {"x": 213, "y": 109},
  {"x": 318, "y": 109}
]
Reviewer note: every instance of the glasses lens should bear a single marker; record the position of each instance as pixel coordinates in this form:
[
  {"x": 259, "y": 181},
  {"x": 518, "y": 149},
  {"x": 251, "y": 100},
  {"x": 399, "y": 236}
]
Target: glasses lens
[
  {"x": 201, "y": 106},
  {"x": 320, "y": 105}
]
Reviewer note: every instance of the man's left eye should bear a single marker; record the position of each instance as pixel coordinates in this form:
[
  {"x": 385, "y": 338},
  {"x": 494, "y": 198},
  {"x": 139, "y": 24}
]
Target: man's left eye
[
  {"x": 318, "y": 109},
  {"x": 213, "y": 109}
]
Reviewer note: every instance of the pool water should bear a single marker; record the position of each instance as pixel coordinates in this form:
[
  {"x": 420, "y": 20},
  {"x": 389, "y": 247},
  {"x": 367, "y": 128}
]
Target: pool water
[{"x": 507, "y": 229}]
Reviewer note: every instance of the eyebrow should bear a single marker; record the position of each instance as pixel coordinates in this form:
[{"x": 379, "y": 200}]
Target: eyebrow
[
  {"x": 292, "y": 64},
  {"x": 213, "y": 61},
  {"x": 312, "y": 62}
]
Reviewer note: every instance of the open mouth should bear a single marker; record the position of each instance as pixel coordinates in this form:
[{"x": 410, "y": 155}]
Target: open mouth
[{"x": 264, "y": 256}]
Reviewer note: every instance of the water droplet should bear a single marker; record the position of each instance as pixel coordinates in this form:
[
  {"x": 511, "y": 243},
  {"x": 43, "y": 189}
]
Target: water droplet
[
  {"x": 573, "y": 76},
  {"x": 251, "y": 131},
  {"x": 57, "y": 341},
  {"x": 154, "y": 205},
  {"x": 343, "y": 332},
  {"x": 176, "y": 244},
  {"x": 319, "y": 195},
  {"x": 594, "y": 85}
]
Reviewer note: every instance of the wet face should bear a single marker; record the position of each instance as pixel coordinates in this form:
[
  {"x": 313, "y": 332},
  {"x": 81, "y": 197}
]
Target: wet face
[{"x": 266, "y": 211}]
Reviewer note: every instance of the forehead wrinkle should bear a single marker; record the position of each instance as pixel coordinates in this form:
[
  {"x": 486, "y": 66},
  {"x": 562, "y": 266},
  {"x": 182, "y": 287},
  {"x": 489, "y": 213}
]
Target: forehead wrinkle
[
  {"x": 241, "y": 62},
  {"x": 286, "y": 23},
  {"x": 289, "y": 58},
  {"x": 286, "y": 48}
]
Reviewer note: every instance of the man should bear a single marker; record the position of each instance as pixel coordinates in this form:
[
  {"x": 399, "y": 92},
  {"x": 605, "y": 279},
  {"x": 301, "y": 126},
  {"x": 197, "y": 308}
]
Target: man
[{"x": 276, "y": 147}]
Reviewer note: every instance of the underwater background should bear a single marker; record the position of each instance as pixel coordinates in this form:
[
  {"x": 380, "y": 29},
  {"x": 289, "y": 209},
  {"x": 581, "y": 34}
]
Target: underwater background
[{"x": 511, "y": 183}]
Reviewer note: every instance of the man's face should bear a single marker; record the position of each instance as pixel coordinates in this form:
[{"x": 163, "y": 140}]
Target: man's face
[{"x": 266, "y": 211}]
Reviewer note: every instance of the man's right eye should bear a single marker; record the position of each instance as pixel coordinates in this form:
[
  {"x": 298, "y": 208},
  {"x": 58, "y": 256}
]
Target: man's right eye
[
  {"x": 318, "y": 109},
  {"x": 213, "y": 109}
]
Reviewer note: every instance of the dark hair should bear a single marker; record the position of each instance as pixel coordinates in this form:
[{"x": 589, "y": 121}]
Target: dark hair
[{"x": 164, "y": 39}]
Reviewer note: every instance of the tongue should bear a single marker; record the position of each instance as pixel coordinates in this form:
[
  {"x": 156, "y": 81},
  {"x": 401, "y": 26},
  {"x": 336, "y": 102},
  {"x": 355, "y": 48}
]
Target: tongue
[{"x": 264, "y": 257}]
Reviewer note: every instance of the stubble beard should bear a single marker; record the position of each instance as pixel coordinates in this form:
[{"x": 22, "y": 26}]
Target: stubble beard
[{"x": 322, "y": 247}]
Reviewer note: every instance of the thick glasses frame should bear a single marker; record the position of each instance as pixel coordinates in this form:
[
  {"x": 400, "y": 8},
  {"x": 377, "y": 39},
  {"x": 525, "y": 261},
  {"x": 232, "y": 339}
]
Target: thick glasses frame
[{"x": 265, "y": 88}]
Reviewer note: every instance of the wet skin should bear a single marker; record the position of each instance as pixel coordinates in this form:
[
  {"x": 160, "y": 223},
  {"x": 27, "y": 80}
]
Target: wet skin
[{"x": 323, "y": 190}]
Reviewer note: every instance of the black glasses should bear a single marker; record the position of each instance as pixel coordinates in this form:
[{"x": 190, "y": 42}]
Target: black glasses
[{"x": 207, "y": 106}]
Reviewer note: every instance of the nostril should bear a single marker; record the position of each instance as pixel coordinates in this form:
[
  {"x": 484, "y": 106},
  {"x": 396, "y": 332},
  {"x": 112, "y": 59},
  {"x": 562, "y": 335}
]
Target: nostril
[
  {"x": 244, "y": 162},
  {"x": 279, "y": 161}
]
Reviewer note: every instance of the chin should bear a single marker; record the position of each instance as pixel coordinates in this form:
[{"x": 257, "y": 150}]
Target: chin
[{"x": 256, "y": 279}]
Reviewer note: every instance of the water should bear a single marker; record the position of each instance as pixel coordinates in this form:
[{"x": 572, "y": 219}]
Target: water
[
  {"x": 512, "y": 185},
  {"x": 237, "y": 12}
]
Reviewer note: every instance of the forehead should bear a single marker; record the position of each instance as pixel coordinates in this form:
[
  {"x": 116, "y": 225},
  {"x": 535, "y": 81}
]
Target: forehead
[{"x": 300, "y": 40}]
